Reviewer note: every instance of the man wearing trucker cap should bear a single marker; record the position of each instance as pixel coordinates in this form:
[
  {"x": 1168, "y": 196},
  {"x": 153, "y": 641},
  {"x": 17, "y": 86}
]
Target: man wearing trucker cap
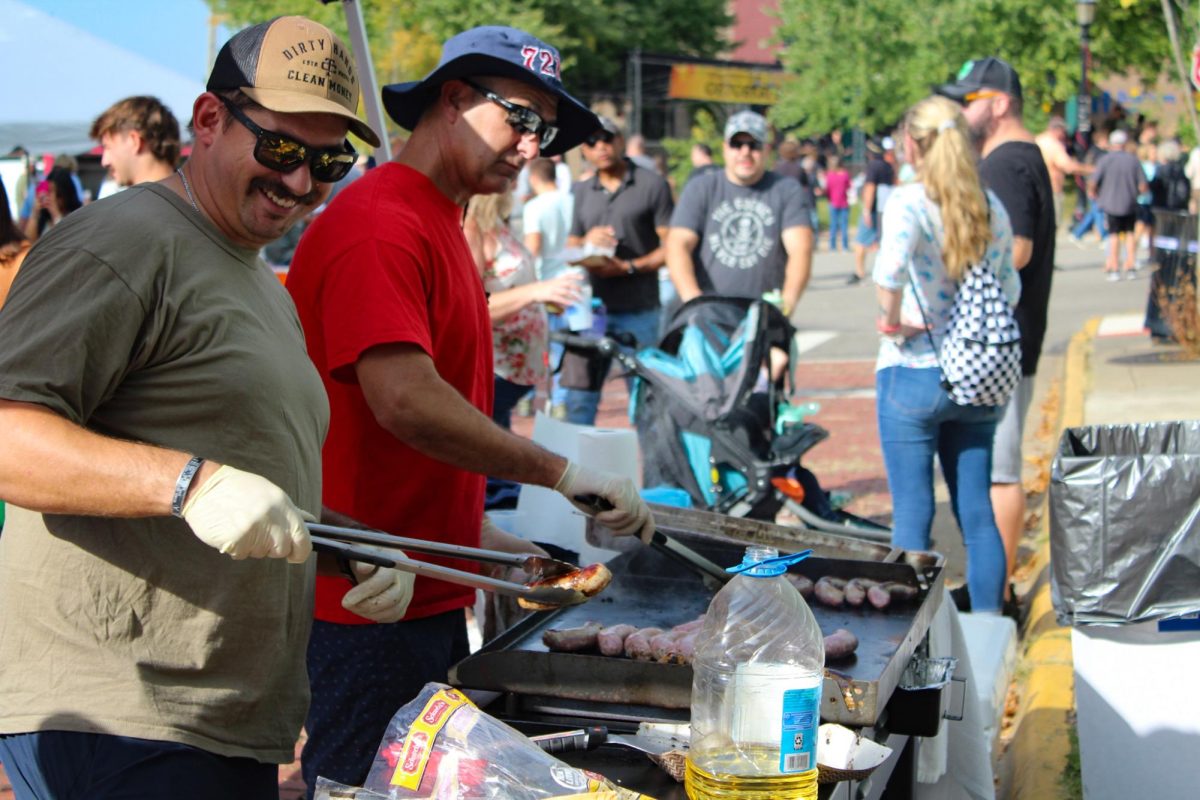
[
  {"x": 162, "y": 433},
  {"x": 396, "y": 320}
]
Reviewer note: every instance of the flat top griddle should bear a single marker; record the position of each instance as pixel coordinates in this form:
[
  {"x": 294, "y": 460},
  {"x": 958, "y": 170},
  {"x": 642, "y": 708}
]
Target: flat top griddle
[{"x": 649, "y": 589}]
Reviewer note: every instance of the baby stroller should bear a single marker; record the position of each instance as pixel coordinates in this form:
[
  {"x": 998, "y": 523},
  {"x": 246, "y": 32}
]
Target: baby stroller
[{"x": 712, "y": 421}]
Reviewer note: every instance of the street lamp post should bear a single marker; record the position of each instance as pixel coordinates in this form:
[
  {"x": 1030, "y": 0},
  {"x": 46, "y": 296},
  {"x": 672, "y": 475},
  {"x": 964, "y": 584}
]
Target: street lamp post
[{"x": 1085, "y": 15}]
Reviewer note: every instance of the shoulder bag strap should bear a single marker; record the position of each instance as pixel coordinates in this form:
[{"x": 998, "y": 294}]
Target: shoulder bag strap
[{"x": 916, "y": 284}]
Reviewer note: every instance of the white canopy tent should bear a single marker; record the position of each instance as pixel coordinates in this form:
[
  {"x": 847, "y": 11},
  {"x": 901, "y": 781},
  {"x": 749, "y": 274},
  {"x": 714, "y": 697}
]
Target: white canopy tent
[{"x": 60, "y": 77}]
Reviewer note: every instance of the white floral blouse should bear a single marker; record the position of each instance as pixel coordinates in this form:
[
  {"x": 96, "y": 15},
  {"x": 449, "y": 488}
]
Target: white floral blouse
[
  {"x": 518, "y": 341},
  {"x": 913, "y": 233}
]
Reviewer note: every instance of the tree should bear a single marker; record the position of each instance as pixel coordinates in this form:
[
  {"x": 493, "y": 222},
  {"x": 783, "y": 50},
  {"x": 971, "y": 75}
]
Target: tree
[
  {"x": 594, "y": 36},
  {"x": 863, "y": 62}
]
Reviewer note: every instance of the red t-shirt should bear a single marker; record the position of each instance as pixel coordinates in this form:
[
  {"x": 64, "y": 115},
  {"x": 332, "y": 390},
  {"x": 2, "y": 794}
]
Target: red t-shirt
[
  {"x": 386, "y": 263},
  {"x": 837, "y": 186}
]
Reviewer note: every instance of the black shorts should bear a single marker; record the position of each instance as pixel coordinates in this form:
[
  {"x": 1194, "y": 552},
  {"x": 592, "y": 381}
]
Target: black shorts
[
  {"x": 1145, "y": 215},
  {"x": 1121, "y": 224}
]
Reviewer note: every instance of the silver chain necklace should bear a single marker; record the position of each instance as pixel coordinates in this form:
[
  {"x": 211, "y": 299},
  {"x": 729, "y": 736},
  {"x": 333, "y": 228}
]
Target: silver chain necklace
[{"x": 191, "y": 198}]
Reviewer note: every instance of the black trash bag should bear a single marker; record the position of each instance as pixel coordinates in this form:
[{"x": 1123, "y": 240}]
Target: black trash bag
[{"x": 1125, "y": 523}]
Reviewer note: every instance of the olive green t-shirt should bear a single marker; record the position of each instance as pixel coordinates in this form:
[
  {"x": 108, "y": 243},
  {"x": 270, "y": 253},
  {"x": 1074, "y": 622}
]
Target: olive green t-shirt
[{"x": 135, "y": 318}]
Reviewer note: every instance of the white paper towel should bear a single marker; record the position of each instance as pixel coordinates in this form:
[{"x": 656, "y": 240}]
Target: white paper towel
[
  {"x": 611, "y": 450},
  {"x": 543, "y": 514}
]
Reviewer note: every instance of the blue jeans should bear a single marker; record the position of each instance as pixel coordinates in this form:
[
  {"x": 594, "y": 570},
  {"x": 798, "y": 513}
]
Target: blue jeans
[
  {"x": 916, "y": 420},
  {"x": 839, "y": 223},
  {"x": 644, "y": 325},
  {"x": 68, "y": 765},
  {"x": 1094, "y": 216}
]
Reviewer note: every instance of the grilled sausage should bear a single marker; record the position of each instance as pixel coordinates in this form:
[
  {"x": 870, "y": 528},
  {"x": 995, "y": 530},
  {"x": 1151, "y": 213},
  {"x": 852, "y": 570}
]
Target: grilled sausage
[
  {"x": 840, "y": 644},
  {"x": 830, "y": 591},
  {"x": 660, "y": 645},
  {"x": 572, "y": 640},
  {"x": 802, "y": 584},
  {"x": 879, "y": 596},
  {"x": 688, "y": 627},
  {"x": 612, "y": 639},
  {"x": 902, "y": 592},
  {"x": 682, "y": 649},
  {"x": 590, "y": 580},
  {"x": 856, "y": 590},
  {"x": 637, "y": 644}
]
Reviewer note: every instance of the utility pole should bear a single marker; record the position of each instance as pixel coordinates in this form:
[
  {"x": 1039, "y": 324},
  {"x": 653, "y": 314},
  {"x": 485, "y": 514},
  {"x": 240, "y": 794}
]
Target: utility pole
[{"x": 1177, "y": 52}]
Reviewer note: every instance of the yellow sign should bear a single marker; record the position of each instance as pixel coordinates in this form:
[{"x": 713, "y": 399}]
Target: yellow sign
[{"x": 758, "y": 87}]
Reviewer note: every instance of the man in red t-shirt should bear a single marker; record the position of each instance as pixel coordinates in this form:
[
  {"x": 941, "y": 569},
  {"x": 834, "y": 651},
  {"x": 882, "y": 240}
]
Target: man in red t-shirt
[{"x": 396, "y": 321}]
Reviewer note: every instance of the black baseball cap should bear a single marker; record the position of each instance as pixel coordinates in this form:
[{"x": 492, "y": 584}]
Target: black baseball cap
[
  {"x": 980, "y": 75},
  {"x": 506, "y": 53}
]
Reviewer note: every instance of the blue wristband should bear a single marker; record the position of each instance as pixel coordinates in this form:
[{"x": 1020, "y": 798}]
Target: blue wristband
[{"x": 183, "y": 484}]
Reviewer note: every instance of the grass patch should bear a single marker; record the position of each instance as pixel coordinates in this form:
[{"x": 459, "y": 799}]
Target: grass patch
[{"x": 1071, "y": 780}]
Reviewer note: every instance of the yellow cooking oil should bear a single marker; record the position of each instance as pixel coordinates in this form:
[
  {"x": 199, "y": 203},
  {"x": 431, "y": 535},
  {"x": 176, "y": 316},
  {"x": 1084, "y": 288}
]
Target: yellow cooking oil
[{"x": 719, "y": 784}]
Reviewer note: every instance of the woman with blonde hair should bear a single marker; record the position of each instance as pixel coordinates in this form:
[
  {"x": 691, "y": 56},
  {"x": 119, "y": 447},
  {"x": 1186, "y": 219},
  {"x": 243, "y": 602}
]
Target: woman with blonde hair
[
  {"x": 934, "y": 231},
  {"x": 516, "y": 301}
]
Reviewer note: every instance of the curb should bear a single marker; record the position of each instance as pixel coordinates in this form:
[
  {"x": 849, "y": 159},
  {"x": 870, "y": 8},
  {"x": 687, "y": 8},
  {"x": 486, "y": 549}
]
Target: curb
[{"x": 1041, "y": 744}]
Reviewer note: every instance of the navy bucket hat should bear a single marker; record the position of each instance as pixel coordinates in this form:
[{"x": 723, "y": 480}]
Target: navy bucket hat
[{"x": 503, "y": 52}]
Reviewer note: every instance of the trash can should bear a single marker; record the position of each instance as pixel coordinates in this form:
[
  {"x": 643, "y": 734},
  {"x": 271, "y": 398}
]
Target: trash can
[
  {"x": 1173, "y": 250},
  {"x": 1125, "y": 574}
]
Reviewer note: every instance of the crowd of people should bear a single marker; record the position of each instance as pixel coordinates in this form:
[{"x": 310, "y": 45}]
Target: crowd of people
[{"x": 174, "y": 415}]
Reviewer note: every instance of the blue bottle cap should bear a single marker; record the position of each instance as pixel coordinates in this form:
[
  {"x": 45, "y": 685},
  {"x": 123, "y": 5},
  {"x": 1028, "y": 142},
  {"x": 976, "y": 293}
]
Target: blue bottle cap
[{"x": 768, "y": 568}]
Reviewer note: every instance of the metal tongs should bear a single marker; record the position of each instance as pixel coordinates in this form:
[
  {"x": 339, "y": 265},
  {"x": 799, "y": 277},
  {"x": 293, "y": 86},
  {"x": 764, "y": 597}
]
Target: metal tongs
[{"x": 379, "y": 548}]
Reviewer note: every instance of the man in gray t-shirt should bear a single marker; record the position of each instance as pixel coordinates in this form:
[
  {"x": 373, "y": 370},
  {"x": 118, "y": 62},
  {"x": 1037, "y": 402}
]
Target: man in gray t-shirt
[
  {"x": 1115, "y": 185},
  {"x": 741, "y": 232}
]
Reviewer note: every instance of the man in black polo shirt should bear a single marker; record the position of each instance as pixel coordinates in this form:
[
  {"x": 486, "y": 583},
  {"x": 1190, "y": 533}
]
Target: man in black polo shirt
[
  {"x": 626, "y": 208},
  {"x": 1013, "y": 168}
]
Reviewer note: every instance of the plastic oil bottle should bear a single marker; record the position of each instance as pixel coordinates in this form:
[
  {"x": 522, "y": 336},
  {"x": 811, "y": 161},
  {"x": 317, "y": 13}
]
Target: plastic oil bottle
[{"x": 756, "y": 693}]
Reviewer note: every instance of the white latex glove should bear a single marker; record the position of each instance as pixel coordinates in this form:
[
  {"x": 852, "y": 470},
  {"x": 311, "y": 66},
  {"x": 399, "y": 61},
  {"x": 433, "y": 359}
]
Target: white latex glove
[
  {"x": 629, "y": 515},
  {"x": 246, "y": 516},
  {"x": 384, "y": 595}
]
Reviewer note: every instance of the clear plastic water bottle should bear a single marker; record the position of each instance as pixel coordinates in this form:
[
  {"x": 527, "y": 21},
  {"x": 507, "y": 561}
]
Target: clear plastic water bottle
[
  {"x": 599, "y": 319},
  {"x": 756, "y": 694}
]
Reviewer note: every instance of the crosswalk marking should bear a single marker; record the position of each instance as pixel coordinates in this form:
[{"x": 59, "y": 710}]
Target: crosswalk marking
[{"x": 811, "y": 340}]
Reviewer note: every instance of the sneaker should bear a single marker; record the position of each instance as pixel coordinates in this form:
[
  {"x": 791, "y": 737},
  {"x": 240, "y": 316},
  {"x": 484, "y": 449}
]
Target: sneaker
[
  {"x": 853, "y": 279},
  {"x": 1114, "y": 276}
]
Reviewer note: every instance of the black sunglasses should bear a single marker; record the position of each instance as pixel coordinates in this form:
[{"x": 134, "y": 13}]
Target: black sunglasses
[
  {"x": 738, "y": 144},
  {"x": 284, "y": 154},
  {"x": 600, "y": 136},
  {"x": 522, "y": 119}
]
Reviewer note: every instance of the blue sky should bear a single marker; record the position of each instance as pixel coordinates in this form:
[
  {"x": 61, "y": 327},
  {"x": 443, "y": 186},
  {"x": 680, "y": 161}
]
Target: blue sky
[{"x": 173, "y": 33}]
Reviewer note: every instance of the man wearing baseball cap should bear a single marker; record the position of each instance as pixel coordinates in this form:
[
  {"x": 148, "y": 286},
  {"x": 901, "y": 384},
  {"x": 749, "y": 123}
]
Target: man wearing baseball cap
[
  {"x": 163, "y": 428},
  {"x": 397, "y": 323},
  {"x": 1012, "y": 167},
  {"x": 743, "y": 231}
]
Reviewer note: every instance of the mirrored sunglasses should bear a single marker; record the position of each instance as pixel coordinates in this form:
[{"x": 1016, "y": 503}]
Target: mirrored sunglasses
[
  {"x": 599, "y": 136},
  {"x": 522, "y": 119},
  {"x": 738, "y": 144},
  {"x": 285, "y": 154}
]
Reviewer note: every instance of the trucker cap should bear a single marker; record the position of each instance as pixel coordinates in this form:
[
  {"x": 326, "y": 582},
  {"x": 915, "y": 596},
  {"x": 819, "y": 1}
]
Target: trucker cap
[
  {"x": 503, "y": 52},
  {"x": 984, "y": 73},
  {"x": 747, "y": 122},
  {"x": 294, "y": 66}
]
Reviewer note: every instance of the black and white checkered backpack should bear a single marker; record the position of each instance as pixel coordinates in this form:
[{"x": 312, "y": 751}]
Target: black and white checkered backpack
[{"x": 980, "y": 356}]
